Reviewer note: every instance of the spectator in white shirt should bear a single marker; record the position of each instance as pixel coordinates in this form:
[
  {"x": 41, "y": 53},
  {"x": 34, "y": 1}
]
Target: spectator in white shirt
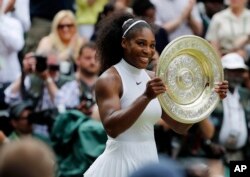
[
  {"x": 11, "y": 42},
  {"x": 231, "y": 117},
  {"x": 22, "y": 13}
]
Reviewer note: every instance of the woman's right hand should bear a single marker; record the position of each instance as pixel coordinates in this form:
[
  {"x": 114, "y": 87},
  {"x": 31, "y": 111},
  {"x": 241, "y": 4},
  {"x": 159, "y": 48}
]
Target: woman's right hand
[{"x": 154, "y": 88}]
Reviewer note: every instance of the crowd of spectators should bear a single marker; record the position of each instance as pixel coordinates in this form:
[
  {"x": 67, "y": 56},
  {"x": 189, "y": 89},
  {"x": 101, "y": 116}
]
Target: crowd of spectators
[{"x": 48, "y": 70}]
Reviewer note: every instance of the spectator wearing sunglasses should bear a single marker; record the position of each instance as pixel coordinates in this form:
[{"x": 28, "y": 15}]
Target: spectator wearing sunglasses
[
  {"x": 63, "y": 41},
  {"x": 41, "y": 16}
]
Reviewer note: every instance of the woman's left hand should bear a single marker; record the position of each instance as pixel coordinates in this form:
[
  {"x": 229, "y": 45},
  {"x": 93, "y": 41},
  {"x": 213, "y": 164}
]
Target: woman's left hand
[{"x": 222, "y": 88}]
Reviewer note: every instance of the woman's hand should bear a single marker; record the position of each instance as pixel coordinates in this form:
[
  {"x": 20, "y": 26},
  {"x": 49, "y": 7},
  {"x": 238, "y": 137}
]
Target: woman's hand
[
  {"x": 154, "y": 88},
  {"x": 221, "y": 89}
]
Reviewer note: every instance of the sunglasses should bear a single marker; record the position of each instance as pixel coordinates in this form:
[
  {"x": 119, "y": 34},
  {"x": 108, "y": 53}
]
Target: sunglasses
[{"x": 62, "y": 26}]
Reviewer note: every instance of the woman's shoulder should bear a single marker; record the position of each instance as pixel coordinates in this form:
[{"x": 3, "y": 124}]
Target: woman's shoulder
[
  {"x": 110, "y": 76},
  {"x": 81, "y": 40},
  {"x": 109, "y": 81}
]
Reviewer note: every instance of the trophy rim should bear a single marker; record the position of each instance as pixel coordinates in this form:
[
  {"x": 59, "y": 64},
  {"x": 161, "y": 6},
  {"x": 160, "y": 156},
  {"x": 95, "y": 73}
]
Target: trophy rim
[{"x": 206, "y": 58}]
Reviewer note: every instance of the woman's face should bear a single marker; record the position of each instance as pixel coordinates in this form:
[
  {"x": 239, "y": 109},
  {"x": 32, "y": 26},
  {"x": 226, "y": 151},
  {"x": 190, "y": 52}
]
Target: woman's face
[
  {"x": 66, "y": 29},
  {"x": 140, "y": 48}
]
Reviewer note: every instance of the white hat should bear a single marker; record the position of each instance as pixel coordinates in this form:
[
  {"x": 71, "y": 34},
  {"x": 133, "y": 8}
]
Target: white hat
[{"x": 233, "y": 61}]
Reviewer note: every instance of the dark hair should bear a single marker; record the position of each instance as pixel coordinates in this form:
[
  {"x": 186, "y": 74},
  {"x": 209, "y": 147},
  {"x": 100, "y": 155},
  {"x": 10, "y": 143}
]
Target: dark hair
[
  {"x": 91, "y": 45},
  {"x": 109, "y": 7},
  {"x": 109, "y": 49},
  {"x": 16, "y": 109},
  {"x": 141, "y": 6}
]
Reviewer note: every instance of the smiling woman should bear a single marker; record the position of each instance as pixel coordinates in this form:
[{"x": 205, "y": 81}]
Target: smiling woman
[
  {"x": 126, "y": 96},
  {"x": 63, "y": 41}
]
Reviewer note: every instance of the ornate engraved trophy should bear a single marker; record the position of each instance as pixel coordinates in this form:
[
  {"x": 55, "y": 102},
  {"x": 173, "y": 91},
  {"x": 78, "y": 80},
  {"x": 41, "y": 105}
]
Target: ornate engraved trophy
[{"x": 190, "y": 67}]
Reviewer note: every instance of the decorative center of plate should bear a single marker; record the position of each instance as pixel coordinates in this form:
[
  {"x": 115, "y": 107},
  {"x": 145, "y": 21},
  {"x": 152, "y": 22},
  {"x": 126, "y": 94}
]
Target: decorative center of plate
[{"x": 185, "y": 79}]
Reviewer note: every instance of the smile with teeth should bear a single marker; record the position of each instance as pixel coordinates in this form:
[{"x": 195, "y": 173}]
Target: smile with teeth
[{"x": 144, "y": 59}]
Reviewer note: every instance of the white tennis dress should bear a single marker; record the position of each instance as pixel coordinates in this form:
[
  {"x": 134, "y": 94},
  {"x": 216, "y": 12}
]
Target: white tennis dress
[{"x": 136, "y": 146}]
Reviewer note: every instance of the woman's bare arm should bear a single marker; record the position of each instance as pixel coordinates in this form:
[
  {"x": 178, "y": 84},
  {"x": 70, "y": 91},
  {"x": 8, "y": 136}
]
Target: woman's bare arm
[{"x": 108, "y": 93}]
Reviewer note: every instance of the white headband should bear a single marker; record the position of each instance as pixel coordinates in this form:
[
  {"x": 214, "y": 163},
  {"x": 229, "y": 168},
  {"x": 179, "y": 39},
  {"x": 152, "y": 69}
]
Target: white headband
[{"x": 132, "y": 25}]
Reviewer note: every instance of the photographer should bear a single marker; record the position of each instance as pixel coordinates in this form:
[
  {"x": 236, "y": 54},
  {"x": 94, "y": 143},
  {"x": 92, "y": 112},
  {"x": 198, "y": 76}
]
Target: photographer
[
  {"x": 79, "y": 93},
  {"x": 38, "y": 83},
  {"x": 20, "y": 121}
]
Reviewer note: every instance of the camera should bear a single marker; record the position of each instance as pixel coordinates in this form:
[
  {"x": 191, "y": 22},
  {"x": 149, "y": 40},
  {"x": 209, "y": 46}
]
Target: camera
[
  {"x": 41, "y": 63},
  {"x": 88, "y": 97},
  {"x": 45, "y": 117}
]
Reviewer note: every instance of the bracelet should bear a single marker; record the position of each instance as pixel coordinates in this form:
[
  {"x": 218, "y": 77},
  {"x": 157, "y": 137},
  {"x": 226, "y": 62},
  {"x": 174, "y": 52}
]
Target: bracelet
[{"x": 49, "y": 80}]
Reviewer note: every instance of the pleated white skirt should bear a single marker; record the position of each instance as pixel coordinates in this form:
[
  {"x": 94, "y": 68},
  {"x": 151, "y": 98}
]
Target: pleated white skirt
[{"x": 121, "y": 158}]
